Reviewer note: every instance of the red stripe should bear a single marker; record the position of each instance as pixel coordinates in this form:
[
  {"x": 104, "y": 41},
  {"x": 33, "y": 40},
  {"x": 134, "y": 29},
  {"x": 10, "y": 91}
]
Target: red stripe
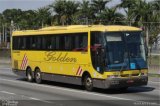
[
  {"x": 78, "y": 70},
  {"x": 23, "y": 62}
]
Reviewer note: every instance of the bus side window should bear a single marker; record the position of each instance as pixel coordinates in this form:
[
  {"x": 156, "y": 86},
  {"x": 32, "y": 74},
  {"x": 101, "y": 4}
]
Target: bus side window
[
  {"x": 57, "y": 42},
  {"x": 81, "y": 42},
  {"x": 69, "y": 42},
  {"x": 23, "y": 44},
  {"x": 44, "y": 43},
  {"x": 16, "y": 43},
  {"x": 48, "y": 43},
  {"x": 53, "y": 43},
  {"x": 61, "y": 42},
  {"x": 33, "y": 42},
  {"x": 28, "y": 47},
  {"x": 38, "y": 43}
]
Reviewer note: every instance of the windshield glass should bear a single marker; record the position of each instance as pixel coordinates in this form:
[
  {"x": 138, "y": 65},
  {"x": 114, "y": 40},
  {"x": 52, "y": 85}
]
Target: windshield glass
[
  {"x": 125, "y": 51},
  {"x": 136, "y": 50}
]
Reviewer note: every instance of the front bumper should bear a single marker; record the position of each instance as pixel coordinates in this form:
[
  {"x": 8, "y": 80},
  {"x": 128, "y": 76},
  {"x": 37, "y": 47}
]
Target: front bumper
[{"x": 121, "y": 82}]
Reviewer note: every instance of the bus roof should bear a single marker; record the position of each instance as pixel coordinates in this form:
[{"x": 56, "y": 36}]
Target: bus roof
[{"x": 75, "y": 28}]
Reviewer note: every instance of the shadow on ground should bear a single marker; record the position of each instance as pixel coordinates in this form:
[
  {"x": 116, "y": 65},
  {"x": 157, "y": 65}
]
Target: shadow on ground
[{"x": 103, "y": 91}]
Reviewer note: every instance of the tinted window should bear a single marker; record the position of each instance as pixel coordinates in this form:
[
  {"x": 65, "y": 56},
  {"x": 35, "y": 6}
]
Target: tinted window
[
  {"x": 63, "y": 42},
  {"x": 15, "y": 43}
]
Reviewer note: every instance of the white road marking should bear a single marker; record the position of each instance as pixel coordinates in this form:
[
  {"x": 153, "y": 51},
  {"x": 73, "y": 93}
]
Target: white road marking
[
  {"x": 32, "y": 98},
  {"x": 71, "y": 90},
  {"x": 8, "y": 92},
  {"x": 65, "y": 89},
  {"x": 39, "y": 100},
  {"x": 1, "y": 68},
  {"x": 154, "y": 82}
]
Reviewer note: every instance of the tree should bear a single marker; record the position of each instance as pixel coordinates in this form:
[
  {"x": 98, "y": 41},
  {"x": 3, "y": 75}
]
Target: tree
[
  {"x": 28, "y": 20},
  {"x": 85, "y": 13},
  {"x": 1, "y": 21},
  {"x": 65, "y": 11},
  {"x": 43, "y": 16},
  {"x": 142, "y": 14},
  {"x": 110, "y": 16},
  {"x": 128, "y": 5},
  {"x": 12, "y": 14},
  {"x": 156, "y": 5},
  {"x": 99, "y": 5}
]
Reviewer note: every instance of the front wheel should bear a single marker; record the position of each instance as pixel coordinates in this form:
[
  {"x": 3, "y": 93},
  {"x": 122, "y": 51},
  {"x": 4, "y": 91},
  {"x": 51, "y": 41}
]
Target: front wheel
[
  {"x": 38, "y": 76},
  {"x": 88, "y": 83}
]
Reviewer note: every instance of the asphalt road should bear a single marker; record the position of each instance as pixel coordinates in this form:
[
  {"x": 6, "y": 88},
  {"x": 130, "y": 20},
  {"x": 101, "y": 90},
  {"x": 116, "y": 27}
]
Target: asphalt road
[{"x": 16, "y": 91}]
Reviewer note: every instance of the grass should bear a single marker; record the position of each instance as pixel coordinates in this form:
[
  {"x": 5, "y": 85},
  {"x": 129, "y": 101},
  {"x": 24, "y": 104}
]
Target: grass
[
  {"x": 154, "y": 60},
  {"x": 154, "y": 75}
]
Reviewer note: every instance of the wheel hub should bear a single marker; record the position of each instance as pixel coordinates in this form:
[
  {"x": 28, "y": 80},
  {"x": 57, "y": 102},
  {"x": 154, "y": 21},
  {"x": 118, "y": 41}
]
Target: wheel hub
[
  {"x": 38, "y": 75},
  {"x": 89, "y": 82}
]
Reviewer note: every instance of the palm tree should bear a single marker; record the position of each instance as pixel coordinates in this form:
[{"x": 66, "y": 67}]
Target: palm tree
[
  {"x": 86, "y": 12},
  {"x": 28, "y": 20},
  {"x": 99, "y": 5},
  {"x": 64, "y": 10},
  {"x": 43, "y": 15},
  {"x": 58, "y": 7},
  {"x": 156, "y": 4},
  {"x": 128, "y": 5},
  {"x": 110, "y": 16},
  {"x": 142, "y": 14},
  {"x": 71, "y": 9}
]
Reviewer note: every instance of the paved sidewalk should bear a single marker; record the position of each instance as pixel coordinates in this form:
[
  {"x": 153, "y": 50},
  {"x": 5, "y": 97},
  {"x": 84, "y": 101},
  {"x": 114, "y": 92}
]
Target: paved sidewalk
[{"x": 5, "y": 60}]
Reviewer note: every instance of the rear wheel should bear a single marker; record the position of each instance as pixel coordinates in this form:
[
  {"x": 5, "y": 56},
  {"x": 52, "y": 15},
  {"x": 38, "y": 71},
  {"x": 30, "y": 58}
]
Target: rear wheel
[
  {"x": 29, "y": 75},
  {"x": 38, "y": 76},
  {"x": 88, "y": 83}
]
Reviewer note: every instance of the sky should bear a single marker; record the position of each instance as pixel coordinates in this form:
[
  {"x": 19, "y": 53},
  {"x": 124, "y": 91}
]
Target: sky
[
  {"x": 32, "y": 4},
  {"x": 23, "y": 4}
]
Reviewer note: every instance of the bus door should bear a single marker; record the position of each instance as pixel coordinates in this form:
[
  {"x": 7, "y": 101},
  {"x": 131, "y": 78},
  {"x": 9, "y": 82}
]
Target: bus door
[{"x": 98, "y": 52}]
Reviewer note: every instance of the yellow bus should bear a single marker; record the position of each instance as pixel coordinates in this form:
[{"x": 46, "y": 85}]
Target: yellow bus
[{"x": 93, "y": 56}]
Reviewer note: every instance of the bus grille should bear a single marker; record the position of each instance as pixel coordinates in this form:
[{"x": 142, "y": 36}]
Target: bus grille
[{"x": 128, "y": 75}]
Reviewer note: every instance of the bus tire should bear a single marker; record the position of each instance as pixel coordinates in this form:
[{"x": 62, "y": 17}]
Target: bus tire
[
  {"x": 29, "y": 75},
  {"x": 88, "y": 83},
  {"x": 38, "y": 76}
]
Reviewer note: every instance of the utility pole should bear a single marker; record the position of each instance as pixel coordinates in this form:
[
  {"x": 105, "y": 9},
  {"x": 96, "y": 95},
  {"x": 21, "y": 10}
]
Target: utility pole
[
  {"x": 5, "y": 39},
  {"x": 0, "y": 38},
  {"x": 3, "y": 33},
  {"x": 147, "y": 36}
]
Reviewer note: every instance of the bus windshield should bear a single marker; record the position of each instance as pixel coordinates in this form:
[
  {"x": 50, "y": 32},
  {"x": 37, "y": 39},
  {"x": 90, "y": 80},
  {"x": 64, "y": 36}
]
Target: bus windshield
[
  {"x": 125, "y": 51},
  {"x": 118, "y": 51}
]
